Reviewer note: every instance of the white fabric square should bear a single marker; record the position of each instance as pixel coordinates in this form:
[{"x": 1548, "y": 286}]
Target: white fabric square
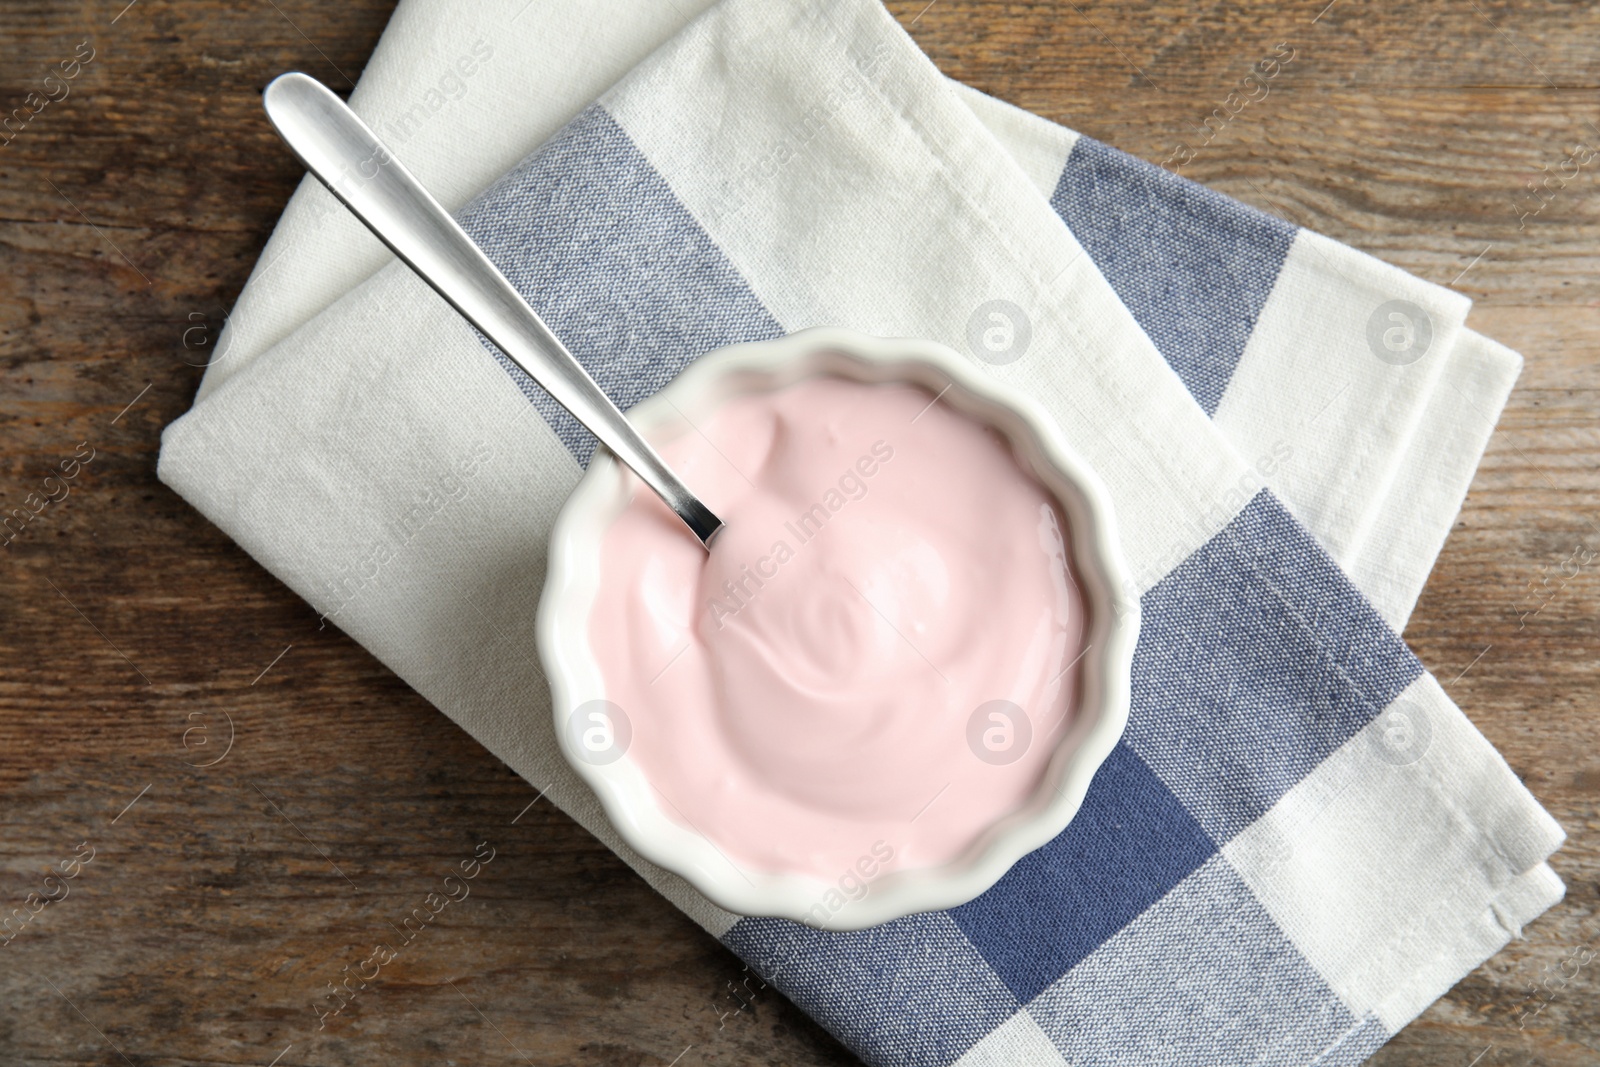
[{"x": 1378, "y": 908}]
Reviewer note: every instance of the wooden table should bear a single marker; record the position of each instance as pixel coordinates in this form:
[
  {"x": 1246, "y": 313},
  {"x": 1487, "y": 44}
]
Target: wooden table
[{"x": 137, "y": 639}]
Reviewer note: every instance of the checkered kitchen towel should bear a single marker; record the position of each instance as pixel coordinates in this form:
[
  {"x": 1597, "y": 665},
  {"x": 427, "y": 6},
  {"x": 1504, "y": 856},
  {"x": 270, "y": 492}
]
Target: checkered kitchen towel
[{"x": 1300, "y": 842}]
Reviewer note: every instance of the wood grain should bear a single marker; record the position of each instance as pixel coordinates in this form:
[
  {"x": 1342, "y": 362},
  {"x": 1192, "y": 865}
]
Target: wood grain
[{"x": 218, "y": 906}]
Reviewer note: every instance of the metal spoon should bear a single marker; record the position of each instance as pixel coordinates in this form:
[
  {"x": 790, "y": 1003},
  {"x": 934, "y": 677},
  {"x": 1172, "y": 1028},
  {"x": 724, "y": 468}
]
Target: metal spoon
[{"x": 358, "y": 168}]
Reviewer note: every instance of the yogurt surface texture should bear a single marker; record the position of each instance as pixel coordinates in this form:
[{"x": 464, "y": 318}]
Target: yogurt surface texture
[{"x": 877, "y": 658}]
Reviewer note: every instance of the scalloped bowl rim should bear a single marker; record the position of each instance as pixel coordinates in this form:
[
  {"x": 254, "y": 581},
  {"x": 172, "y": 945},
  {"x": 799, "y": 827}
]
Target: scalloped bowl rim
[{"x": 571, "y": 581}]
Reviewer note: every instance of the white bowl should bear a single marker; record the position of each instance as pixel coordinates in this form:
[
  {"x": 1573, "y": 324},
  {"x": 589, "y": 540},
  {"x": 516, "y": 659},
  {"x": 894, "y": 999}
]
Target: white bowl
[{"x": 1112, "y": 630}]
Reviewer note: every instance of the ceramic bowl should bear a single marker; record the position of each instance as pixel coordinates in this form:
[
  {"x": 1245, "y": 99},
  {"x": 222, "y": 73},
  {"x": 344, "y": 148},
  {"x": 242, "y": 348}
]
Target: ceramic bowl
[{"x": 1112, "y": 630}]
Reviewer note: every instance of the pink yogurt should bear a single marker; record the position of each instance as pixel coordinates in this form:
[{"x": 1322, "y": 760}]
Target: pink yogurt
[{"x": 878, "y": 655}]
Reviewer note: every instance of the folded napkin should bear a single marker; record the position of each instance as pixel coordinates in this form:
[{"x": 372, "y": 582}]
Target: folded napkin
[{"x": 1299, "y": 844}]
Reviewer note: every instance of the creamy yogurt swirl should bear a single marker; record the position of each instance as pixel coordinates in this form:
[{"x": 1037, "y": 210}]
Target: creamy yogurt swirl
[{"x": 880, "y": 648}]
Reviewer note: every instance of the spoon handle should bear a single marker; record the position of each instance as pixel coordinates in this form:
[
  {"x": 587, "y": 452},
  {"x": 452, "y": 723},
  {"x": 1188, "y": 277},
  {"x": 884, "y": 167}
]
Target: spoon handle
[{"x": 358, "y": 168}]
